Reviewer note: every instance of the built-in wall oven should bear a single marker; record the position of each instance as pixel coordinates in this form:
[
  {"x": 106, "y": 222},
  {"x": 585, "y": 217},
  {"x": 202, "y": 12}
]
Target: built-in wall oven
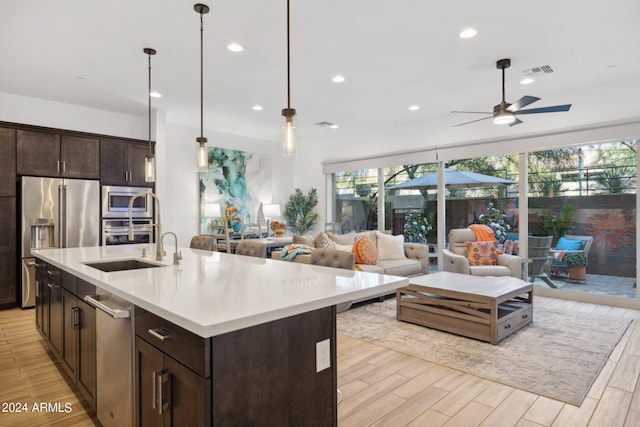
[
  {"x": 115, "y": 215},
  {"x": 115, "y": 202},
  {"x": 116, "y": 231}
]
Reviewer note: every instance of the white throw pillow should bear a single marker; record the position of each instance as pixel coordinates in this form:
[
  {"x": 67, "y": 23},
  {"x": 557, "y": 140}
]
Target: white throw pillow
[
  {"x": 340, "y": 247},
  {"x": 390, "y": 247}
]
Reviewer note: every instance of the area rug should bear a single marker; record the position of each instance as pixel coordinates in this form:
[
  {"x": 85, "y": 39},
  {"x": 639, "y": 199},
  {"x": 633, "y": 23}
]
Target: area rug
[{"x": 558, "y": 355}]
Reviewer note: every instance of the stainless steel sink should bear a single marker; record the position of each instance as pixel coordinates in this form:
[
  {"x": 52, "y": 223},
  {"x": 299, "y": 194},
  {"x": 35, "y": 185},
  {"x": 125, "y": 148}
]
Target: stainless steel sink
[{"x": 120, "y": 265}]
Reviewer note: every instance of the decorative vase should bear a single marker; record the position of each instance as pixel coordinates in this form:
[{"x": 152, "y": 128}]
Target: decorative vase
[{"x": 278, "y": 228}]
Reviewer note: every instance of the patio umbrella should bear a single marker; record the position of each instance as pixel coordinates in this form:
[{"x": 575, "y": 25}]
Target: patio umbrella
[{"x": 453, "y": 178}]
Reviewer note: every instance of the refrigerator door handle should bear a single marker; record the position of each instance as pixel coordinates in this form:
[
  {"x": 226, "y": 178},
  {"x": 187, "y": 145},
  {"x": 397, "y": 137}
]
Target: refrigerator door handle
[{"x": 62, "y": 210}]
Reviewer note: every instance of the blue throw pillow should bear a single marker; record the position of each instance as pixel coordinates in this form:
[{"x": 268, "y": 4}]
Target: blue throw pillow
[{"x": 568, "y": 245}]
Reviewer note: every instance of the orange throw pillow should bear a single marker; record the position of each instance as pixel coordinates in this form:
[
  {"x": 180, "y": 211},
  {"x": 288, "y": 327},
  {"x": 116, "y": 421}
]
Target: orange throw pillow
[
  {"x": 482, "y": 253},
  {"x": 365, "y": 251}
]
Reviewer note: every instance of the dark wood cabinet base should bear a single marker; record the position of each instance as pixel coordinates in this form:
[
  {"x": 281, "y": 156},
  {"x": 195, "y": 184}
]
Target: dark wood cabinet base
[{"x": 266, "y": 375}]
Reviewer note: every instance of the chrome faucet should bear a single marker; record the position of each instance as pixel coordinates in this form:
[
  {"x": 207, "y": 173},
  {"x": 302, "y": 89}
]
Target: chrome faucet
[
  {"x": 177, "y": 256},
  {"x": 159, "y": 250}
]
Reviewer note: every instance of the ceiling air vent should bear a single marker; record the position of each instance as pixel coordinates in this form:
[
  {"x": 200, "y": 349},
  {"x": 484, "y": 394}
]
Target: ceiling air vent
[
  {"x": 324, "y": 124},
  {"x": 536, "y": 71}
]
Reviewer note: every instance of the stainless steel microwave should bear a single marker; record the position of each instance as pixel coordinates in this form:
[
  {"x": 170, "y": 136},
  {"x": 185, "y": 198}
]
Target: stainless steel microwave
[{"x": 115, "y": 202}]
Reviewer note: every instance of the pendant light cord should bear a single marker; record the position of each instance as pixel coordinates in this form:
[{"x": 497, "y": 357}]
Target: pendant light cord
[
  {"x": 201, "y": 77},
  {"x": 150, "y": 152},
  {"x": 288, "y": 62}
]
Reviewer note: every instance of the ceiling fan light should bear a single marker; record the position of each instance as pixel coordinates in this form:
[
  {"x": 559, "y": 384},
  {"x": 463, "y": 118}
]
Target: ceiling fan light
[{"x": 504, "y": 118}]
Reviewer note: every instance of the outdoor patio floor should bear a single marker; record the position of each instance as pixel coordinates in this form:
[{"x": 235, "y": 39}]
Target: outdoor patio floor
[{"x": 596, "y": 284}]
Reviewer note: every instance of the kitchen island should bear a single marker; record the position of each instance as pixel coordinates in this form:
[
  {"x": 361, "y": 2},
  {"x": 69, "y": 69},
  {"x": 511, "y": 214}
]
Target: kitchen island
[{"x": 236, "y": 340}]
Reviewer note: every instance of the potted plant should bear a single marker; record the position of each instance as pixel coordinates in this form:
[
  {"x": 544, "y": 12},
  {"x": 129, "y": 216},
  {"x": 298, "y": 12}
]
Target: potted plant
[
  {"x": 577, "y": 263},
  {"x": 495, "y": 219},
  {"x": 298, "y": 212}
]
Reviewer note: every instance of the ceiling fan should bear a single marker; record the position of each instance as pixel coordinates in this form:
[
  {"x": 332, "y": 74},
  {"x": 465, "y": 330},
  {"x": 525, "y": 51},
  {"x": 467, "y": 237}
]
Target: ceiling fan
[{"x": 505, "y": 113}]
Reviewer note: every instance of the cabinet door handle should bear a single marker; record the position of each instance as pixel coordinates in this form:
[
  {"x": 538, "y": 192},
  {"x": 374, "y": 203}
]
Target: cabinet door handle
[
  {"x": 64, "y": 166},
  {"x": 74, "y": 319},
  {"x": 58, "y": 166},
  {"x": 154, "y": 390},
  {"x": 158, "y": 399},
  {"x": 164, "y": 401},
  {"x": 158, "y": 333}
]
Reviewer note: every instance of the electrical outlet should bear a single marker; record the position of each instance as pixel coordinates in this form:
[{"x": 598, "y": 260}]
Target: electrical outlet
[{"x": 323, "y": 355}]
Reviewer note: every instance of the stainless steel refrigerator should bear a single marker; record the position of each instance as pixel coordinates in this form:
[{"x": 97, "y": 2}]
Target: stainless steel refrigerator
[{"x": 56, "y": 213}]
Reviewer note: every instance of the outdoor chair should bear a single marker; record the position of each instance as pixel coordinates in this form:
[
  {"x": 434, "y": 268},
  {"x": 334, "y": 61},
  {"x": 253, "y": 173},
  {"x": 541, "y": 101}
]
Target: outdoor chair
[
  {"x": 538, "y": 254},
  {"x": 567, "y": 244}
]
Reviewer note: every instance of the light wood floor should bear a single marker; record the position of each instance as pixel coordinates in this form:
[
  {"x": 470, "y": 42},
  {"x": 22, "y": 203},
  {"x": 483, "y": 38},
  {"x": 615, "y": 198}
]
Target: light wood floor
[
  {"x": 380, "y": 387},
  {"x": 29, "y": 375},
  {"x": 386, "y": 388}
]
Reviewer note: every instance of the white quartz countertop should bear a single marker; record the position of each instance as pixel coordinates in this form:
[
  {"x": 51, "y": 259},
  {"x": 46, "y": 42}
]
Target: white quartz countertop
[{"x": 211, "y": 293}]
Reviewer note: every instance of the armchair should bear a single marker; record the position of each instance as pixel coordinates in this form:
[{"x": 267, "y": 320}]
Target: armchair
[{"x": 455, "y": 258}]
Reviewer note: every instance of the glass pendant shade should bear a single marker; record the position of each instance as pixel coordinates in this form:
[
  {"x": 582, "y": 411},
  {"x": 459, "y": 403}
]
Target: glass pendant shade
[
  {"x": 289, "y": 142},
  {"x": 202, "y": 158},
  {"x": 150, "y": 169}
]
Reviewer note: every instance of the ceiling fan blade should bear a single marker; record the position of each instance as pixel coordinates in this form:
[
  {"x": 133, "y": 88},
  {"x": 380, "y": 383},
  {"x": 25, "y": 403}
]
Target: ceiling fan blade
[
  {"x": 473, "y": 112},
  {"x": 552, "y": 109},
  {"x": 522, "y": 102},
  {"x": 472, "y": 121},
  {"x": 517, "y": 122}
]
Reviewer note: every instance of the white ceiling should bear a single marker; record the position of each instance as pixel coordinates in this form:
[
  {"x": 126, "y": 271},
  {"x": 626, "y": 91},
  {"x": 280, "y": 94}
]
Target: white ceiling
[{"x": 392, "y": 54}]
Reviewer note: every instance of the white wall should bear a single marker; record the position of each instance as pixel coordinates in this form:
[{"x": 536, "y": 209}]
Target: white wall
[
  {"x": 178, "y": 179},
  {"x": 42, "y": 112}
]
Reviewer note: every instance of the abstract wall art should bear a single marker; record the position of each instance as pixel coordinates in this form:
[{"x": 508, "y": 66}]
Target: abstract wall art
[{"x": 234, "y": 178}]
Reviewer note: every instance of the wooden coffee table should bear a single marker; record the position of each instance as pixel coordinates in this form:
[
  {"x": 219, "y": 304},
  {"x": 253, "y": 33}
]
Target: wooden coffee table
[{"x": 485, "y": 308}]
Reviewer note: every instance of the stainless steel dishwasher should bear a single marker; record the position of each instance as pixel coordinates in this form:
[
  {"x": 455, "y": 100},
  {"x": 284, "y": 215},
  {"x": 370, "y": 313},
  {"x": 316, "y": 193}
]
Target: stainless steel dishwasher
[{"x": 114, "y": 360}]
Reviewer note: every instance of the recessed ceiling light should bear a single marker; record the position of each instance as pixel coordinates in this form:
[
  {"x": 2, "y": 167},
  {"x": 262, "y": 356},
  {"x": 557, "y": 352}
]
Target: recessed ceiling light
[
  {"x": 467, "y": 33},
  {"x": 333, "y": 126},
  {"x": 235, "y": 47},
  {"x": 526, "y": 81},
  {"x": 155, "y": 95},
  {"x": 414, "y": 108},
  {"x": 257, "y": 107},
  {"x": 337, "y": 79}
]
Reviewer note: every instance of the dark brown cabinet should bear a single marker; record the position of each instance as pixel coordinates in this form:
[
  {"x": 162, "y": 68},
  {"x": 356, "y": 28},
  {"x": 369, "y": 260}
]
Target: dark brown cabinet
[
  {"x": 169, "y": 394},
  {"x": 68, "y": 324},
  {"x": 70, "y": 327},
  {"x": 173, "y": 375},
  {"x": 80, "y": 157},
  {"x": 50, "y": 154},
  {"x": 8, "y": 254},
  {"x": 7, "y": 162},
  {"x": 122, "y": 163},
  {"x": 42, "y": 299},
  {"x": 55, "y": 309}
]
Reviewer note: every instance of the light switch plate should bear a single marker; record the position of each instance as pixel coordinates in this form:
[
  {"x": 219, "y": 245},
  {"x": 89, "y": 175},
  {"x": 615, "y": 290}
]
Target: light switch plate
[{"x": 323, "y": 355}]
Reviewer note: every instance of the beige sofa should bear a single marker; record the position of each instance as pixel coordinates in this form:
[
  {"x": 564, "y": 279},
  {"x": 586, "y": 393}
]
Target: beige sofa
[{"x": 414, "y": 263}]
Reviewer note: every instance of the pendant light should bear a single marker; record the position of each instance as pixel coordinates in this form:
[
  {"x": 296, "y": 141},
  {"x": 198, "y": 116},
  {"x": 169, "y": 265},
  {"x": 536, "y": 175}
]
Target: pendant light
[
  {"x": 202, "y": 158},
  {"x": 150, "y": 160},
  {"x": 289, "y": 143}
]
